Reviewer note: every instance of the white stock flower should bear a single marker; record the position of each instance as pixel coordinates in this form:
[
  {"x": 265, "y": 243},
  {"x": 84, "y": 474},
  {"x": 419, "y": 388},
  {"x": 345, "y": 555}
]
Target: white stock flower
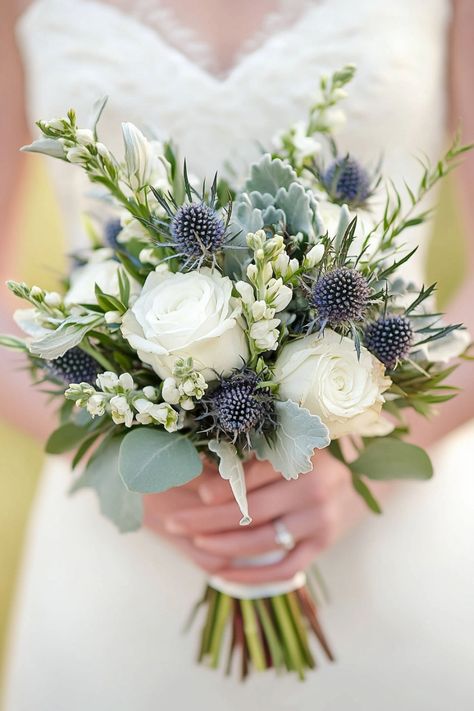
[
  {"x": 246, "y": 292},
  {"x": 143, "y": 159},
  {"x": 120, "y": 410},
  {"x": 305, "y": 146},
  {"x": 170, "y": 391},
  {"x": 107, "y": 381},
  {"x": 96, "y": 404},
  {"x": 314, "y": 255},
  {"x": 186, "y": 315},
  {"x": 265, "y": 334},
  {"x": 324, "y": 375},
  {"x": 85, "y": 136},
  {"x": 162, "y": 413}
]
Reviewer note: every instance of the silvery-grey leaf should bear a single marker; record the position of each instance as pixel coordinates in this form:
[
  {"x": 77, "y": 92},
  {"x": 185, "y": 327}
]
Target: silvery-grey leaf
[
  {"x": 296, "y": 437},
  {"x": 68, "y": 335},
  {"x": 343, "y": 224},
  {"x": 231, "y": 468},
  {"x": 274, "y": 216},
  {"x": 294, "y": 202},
  {"x": 268, "y": 175},
  {"x": 46, "y": 146}
]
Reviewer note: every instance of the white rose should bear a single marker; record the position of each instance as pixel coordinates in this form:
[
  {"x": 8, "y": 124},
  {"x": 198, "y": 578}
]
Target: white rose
[
  {"x": 324, "y": 375},
  {"x": 186, "y": 315},
  {"x": 103, "y": 272}
]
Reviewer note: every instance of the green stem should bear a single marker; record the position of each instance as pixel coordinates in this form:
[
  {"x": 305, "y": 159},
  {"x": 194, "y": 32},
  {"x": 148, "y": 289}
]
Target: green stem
[
  {"x": 212, "y": 597},
  {"x": 270, "y": 633},
  {"x": 300, "y": 629},
  {"x": 252, "y": 635},
  {"x": 102, "y": 360},
  {"x": 295, "y": 661},
  {"x": 224, "y": 607}
]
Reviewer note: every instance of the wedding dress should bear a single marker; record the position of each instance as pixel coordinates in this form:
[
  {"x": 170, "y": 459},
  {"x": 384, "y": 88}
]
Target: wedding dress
[{"x": 99, "y": 615}]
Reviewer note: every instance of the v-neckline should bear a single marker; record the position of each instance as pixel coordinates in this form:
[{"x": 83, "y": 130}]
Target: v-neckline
[{"x": 244, "y": 57}]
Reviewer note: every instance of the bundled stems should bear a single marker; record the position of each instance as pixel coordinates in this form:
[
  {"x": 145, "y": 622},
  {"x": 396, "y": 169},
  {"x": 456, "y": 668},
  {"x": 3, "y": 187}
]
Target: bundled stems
[{"x": 273, "y": 632}]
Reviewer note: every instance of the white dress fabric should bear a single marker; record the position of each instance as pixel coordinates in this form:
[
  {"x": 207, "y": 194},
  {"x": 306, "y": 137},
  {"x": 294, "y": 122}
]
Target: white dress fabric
[{"x": 98, "y": 617}]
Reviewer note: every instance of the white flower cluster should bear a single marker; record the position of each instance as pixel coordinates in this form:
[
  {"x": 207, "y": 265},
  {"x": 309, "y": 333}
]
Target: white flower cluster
[
  {"x": 266, "y": 293},
  {"x": 185, "y": 385},
  {"x": 119, "y": 397}
]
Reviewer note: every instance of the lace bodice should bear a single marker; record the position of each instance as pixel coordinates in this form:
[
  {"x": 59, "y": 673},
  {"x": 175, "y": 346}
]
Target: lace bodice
[{"x": 78, "y": 50}]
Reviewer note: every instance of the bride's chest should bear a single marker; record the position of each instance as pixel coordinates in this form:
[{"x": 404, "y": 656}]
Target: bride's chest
[{"x": 78, "y": 51}]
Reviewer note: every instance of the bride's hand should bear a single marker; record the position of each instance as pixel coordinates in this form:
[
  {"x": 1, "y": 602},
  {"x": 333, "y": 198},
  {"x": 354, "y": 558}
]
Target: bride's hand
[
  {"x": 157, "y": 507},
  {"x": 316, "y": 509}
]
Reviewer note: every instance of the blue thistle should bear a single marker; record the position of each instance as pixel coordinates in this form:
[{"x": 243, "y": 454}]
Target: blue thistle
[
  {"x": 238, "y": 406},
  {"x": 112, "y": 230},
  {"x": 340, "y": 295},
  {"x": 197, "y": 230},
  {"x": 389, "y": 339},
  {"x": 75, "y": 366},
  {"x": 346, "y": 181}
]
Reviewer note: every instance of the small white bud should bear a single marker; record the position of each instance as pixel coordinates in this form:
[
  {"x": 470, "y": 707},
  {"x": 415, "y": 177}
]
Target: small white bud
[
  {"x": 187, "y": 404},
  {"x": 246, "y": 292},
  {"x": 84, "y": 136},
  {"x": 107, "y": 381},
  {"x": 170, "y": 392},
  {"x": 148, "y": 256},
  {"x": 52, "y": 298},
  {"x": 252, "y": 272},
  {"x": 314, "y": 255},
  {"x": 126, "y": 381},
  {"x": 112, "y": 317},
  {"x": 36, "y": 291},
  {"x": 150, "y": 392},
  {"x": 258, "y": 309}
]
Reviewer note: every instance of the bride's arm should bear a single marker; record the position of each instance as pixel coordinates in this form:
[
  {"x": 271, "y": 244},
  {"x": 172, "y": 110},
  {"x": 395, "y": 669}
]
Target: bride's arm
[{"x": 21, "y": 404}]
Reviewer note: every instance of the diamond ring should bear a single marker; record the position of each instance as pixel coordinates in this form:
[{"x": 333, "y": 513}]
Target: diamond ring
[{"x": 283, "y": 537}]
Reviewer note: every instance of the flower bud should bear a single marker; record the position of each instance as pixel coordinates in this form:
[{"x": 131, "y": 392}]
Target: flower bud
[
  {"x": 256, "y": 240},
  {"x": 52, "y": 298},
  {"x": 170, "y": 392},
  {"x": 246, "y": 292},
  {"x": 84, "y": 136},
  {"x": 314, "y": 256}
]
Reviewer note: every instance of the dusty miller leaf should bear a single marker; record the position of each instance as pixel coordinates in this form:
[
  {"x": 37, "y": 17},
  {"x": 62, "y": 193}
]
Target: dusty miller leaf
[
  {"x": 231, "y": 468},
  {"x": 296, "y": 437}
]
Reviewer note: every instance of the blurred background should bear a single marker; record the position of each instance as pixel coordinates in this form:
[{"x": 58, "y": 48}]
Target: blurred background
[{"x": 39, "y": 259}]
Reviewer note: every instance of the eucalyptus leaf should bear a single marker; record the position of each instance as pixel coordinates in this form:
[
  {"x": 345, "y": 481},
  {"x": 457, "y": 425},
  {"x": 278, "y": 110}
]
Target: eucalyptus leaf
[
  {"x": 153, "y": 460},
  {"x": 65, "y": 438},
  {"x": 297, "y": 435},
  {"x": 122, "y": 507},
  {"x": 363, "y": 490},
  {"x": 231, "y": 468},
  {"x": 388, "y": 458}
]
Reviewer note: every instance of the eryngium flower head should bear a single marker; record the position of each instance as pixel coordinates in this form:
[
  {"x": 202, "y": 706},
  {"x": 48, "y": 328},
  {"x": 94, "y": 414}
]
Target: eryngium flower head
[
  {"x": 389, "y": 339},
  {"x": 238, "y": 406},
  {"x": 347, "y": 181},
  {"x": 75, "y": 366},
  {"x": 197, "y": 230},
  {"x": 111, "y": 231},
  {"x": 340, "y": 295}
]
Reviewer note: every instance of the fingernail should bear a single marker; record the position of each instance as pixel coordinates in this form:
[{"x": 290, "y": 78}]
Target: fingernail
[
  {"x": 200, "y": 541},
  {"x": 173, "y": 526},
  {"x": 206, "y": 494}
]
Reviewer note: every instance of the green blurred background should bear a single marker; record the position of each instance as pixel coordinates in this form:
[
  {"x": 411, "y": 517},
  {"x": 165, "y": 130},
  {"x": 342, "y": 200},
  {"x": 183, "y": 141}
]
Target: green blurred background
[{"x": 39, "y": 233}]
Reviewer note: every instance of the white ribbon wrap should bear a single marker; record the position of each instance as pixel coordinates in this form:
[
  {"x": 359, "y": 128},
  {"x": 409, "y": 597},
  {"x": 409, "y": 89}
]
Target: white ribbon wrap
[{"x": 243, "y": 591}]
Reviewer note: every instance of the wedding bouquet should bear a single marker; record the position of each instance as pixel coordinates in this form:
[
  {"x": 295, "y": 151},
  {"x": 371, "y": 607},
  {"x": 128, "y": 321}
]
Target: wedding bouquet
[{"x": 266, "y": 319}]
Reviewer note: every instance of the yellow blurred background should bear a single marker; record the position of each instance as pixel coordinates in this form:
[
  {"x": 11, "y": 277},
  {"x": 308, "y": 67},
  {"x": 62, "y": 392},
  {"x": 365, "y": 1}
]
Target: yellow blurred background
[{"x": 39, "y": 260}]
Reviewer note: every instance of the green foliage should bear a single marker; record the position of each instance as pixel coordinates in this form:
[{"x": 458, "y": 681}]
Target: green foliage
[
  {"x": 152, "y": 460},
  {"x": 124, "y": 508},
  {"x": 386, "y": 458},
  {"x": 66, "y": 437},
  {"x": 294, "y": 440}
]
